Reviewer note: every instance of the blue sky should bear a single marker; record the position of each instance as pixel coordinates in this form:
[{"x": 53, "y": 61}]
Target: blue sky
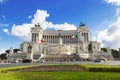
[{"x": 17, "y": 15}]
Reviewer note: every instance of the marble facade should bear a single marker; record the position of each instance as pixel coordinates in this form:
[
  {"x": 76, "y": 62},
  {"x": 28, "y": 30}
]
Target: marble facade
[{"x": 58, "y": 43}]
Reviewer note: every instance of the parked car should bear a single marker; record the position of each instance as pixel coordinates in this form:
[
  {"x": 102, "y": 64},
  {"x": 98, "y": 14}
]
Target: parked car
[
  {"x": 40, "y": 61},
  {"x": 14, "y": 61},
  {"x": 26, "y": 61},
  {"x": 97, "y": 60}
]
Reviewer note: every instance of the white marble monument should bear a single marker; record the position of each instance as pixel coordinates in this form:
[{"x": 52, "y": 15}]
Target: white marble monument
[{"x": 61, "y": 44}]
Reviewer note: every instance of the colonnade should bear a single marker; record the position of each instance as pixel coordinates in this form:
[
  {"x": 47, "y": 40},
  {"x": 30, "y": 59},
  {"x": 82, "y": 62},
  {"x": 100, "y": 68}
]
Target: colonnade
[
  {"x": 35, "y": 37},
  {"x": 85, "y": 36},
  {"x": 55, "y": 39}
]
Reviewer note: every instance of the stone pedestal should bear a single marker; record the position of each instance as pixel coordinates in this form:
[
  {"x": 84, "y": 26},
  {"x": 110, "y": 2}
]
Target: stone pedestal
[
  {"x": 30, "y": 56},
  {"x": 60, "y": 41}
]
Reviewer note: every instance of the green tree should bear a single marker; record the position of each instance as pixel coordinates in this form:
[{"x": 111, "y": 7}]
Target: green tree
[
  {"x": 115, "y": 53},
  {"x": 104, "y": 49},
  {"x": 3, "y": 56}
]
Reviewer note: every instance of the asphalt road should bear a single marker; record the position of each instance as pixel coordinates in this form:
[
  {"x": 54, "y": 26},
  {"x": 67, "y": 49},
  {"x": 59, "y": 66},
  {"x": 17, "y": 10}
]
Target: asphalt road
[{"x": 114, "y": 63}]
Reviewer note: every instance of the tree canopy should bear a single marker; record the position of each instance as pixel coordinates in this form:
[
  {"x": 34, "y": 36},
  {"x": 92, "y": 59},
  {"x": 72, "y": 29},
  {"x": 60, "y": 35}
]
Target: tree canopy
[
  {"x": 104, "y": 49},
  {"x": 115, "y": 53},
  {"x": 3, "y": 56}
]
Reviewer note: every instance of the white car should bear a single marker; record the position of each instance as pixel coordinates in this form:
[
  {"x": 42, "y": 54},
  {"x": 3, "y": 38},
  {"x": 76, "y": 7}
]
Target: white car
[
  {"x": 40, "y": 61},
  {"x": 14, "y": 61}
]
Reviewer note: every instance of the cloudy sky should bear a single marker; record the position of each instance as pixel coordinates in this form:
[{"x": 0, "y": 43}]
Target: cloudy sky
[{"x": 18, "y": 16}]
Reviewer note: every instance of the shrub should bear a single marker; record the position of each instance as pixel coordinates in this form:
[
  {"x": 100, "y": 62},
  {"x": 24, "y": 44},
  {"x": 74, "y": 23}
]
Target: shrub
[{"x": 103, "y": 69}]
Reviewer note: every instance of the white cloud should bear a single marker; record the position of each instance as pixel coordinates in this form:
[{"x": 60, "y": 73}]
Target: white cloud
[
  {"x": 29, "y": 17},
  {"x": 23, "y": 31},
  {"x": 3, "y": 17},
  {"x": 117, "y": 12},
  {"x": 116, "y": 2},
  {"x": 64, "y": 26},
  {"x": 3, "y": 25},
  {"x": 2, "y": 1},
  {"x": 6, "y": 31},
  {"x": 2, "y": 51},
  {"x": 111, "y": 36},
  {"x": 40, "y": 16}
]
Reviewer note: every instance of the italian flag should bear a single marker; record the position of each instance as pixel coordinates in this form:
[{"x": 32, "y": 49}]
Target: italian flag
[
  {"x": 42, "y": 41},
  {"x": 72, "y": 37}
]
